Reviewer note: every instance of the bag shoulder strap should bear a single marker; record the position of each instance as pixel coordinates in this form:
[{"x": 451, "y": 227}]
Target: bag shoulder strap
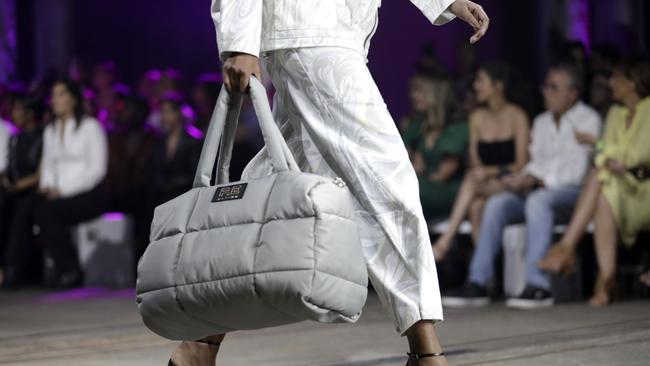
[{"x": 222, "y": 128}]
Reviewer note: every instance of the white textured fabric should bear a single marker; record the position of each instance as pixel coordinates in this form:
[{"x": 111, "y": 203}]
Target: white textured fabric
[
  {"x": 77, "y": 161},
  {"x": 556, "y": 157},
  {"x": 4, "y": 145},
  {"x": 254, "y": 26},
  {"x": 336, "y": 123}
]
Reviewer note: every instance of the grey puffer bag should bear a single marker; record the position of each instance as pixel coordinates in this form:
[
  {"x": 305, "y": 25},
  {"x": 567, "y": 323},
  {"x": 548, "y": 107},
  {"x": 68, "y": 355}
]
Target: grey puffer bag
[{"x": 251, "y": 254}]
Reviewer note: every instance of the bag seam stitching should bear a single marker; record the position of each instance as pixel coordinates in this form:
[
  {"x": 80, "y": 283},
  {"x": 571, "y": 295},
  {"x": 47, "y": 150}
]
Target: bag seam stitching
[
  {"x": 313, "y": 247},
  {"x": 259, "y": 236},
  {"x": 252, "y": 222},
  {"x": 252, "y": 274}
]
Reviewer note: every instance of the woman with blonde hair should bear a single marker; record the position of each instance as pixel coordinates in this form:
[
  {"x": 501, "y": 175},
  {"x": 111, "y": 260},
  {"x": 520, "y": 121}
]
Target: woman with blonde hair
[{"x": 436, "y": 141}]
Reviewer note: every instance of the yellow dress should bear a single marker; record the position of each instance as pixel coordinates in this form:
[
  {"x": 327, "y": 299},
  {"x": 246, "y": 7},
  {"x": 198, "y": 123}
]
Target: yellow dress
[{"x": 628, "y": 197}]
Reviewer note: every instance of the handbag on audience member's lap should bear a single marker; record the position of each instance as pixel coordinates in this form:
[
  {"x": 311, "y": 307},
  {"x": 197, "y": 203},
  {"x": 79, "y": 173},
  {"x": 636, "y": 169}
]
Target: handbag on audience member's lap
[{"x": 251, "y": 254}]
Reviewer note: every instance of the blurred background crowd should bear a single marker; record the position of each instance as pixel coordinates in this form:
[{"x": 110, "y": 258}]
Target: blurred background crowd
[{"x": 545, "y": 124}]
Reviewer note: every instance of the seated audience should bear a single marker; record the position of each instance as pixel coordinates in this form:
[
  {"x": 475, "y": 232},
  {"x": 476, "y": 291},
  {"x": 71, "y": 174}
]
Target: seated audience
[
  {"x": 436, "y": 142},
  {"x": 543, "y": 193},
  {"x": 18, "y": 191},
  {"x": 74, "y": 164},
  {"x": 498, "y": 145},
  {"x": 204, "y": 98},
  {"x": 131, "y": 145},
  {"x": 176, "y": 156},
  {"x": 617, "y": 194},
  {"x": 104, "y": 78},
  {"x": 169, "y": 81},
  {"x": 600, "y": 93}
]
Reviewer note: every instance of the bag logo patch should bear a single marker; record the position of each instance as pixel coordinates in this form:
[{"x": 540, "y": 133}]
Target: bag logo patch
[{"x": 232, "y": 192}]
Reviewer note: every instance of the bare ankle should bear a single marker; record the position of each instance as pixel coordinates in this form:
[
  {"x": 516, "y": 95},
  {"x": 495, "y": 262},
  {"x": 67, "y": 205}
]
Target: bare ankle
[
  {"x": 422, "y": 338},
  {"x": 197, "y": 352}
]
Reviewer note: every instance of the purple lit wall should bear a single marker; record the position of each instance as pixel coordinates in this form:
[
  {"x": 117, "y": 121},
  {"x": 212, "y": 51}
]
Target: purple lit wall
[
  {"x": 140, "y": 36},
  {"x": 145, "y": 34},
  {"x": 613, "y": 22},
  {"x": 578, "y": 28},
  {"x": 397, "y": 44},
  {"x": 8, "y": 51}
]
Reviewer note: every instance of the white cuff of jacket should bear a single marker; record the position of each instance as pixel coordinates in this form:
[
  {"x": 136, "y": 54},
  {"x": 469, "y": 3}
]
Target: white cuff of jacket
[
  {"x": 436, "y": 11},
  {"x": 446, "y": 16}
]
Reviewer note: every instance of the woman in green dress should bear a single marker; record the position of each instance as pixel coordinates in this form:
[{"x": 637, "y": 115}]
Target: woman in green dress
[{"x": 436, "y": 141}]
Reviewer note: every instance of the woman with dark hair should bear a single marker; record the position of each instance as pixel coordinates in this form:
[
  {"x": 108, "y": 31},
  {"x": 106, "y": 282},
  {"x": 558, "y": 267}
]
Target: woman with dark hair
[
  {"x": 204, "y": 98},
  {"x": 74, "y": 165},
  {"x": 18, "y": 190},
  {"x": 617, "y": 192},
  {"x": 25, "y": 146},
  {"x": 498, "y": 145},
  {"x": 131, "y": 144},
  {"x": 176, "y": 155},
  {"x": 104, "y": 77}
]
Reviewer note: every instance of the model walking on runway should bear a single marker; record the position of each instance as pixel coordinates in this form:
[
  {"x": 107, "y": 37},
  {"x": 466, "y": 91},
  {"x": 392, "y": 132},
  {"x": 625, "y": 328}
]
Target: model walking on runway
[{"x": 336, "y": 124}]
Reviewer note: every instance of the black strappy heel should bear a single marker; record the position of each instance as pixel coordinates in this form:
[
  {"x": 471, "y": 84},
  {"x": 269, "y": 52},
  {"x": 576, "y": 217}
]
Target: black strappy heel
[
  {"x": 416, "y": 356},
  {"x": 216, "y": 344}
]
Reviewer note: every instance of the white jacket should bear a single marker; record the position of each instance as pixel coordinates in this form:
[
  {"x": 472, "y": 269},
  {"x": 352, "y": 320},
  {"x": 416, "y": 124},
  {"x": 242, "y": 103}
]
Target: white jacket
[{"x": 255, "y": 26}]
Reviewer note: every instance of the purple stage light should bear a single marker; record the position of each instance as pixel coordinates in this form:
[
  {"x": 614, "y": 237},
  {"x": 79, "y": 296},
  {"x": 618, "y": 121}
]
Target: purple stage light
[
  {"x": 13, "y": 130},
  {"x": 578, "y": 11},
  {"x": 113, "y": 216},
  {"x": 86, "y": 293},
  {"x": 73, "y": 295},
  {"x": 193, "y": 131}
]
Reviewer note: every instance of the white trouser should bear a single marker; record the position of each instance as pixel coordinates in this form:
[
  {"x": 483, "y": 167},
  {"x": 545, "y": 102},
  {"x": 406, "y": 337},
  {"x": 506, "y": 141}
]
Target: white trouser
[{"x": 336, "y": 123}]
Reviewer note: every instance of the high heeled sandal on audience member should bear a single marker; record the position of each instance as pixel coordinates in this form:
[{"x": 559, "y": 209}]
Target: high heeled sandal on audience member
[
  {"x": 214, "y": 344},
  {"x": 604, "y": 292},
  {"x": 558, "y": 259},
  {"x": 414, "y": 356}
]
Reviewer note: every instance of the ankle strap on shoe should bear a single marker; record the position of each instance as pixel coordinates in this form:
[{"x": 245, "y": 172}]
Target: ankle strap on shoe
[
  {"x": 217, "y": 344},
  {"x": 417, "y": 356}
]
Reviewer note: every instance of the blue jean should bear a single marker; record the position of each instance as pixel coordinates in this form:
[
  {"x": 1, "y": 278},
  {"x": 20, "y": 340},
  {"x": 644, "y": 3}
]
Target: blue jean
[{"x": 540, "y": 209}]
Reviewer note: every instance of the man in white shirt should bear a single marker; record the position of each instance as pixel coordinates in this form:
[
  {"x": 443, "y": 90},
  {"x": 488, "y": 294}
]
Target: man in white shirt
[{"x": 543, "y": 193}]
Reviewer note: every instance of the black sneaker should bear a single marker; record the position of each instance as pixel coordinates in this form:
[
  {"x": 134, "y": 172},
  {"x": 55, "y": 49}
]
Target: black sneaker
[
  {"x": 68, "y": 280},
  {"x": 531, "y": 298},
  {"x": 470, "y": 295},
  {"x": 72, "y": 279}
]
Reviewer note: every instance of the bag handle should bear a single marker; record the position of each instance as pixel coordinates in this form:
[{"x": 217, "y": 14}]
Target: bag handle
[{"x": 223, "y": 125}]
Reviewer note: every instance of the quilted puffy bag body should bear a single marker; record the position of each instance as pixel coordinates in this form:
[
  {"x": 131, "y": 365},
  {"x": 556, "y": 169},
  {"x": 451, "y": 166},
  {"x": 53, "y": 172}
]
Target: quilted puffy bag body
[{"x": 251, "y": 254}]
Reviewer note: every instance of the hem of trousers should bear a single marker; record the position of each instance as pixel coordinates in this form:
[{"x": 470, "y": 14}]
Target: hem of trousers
[{"x": 408, "y": 320}]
